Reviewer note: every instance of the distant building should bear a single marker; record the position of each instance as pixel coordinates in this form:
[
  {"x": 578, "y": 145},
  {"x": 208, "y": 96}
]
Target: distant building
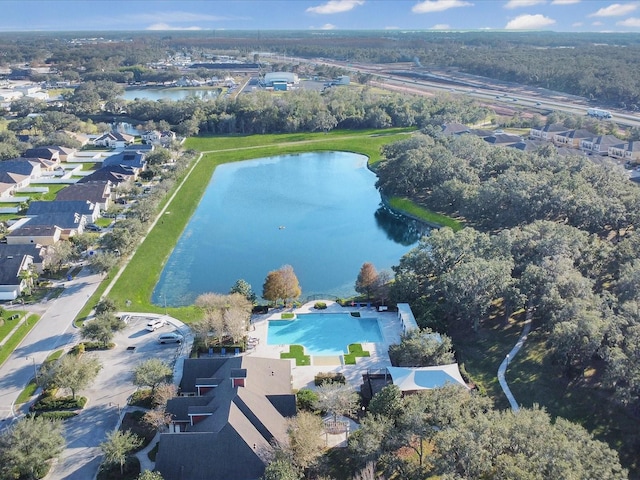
[{"x": 288, "y": 78}]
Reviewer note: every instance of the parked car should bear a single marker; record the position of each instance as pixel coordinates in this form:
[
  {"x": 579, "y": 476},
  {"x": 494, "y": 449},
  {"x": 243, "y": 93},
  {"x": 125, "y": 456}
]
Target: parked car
[
  {"x": 155, "y": 324},
  {"x": 171, "y": 337},
  {"x": 92, "y": 227}
]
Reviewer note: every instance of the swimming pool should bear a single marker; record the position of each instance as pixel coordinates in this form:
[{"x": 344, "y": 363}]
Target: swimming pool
[{"x": 324, "y": 333}]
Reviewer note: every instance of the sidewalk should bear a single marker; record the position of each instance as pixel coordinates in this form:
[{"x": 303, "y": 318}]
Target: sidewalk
[{"x": 505, "y": 363}]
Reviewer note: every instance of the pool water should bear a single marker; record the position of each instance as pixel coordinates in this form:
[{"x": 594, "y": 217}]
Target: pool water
[{"x": 324, "y": 333}]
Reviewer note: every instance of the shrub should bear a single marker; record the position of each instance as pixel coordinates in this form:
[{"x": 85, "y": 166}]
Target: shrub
[
  {"x": 141, "y": 398},
  {"x": 320, "y": 305},
  {"x": 57, "y": 415},
  {"x": 49, "y": 403},
  {"x": 260, "y": 309},
  {"x": 288, "y": 316},
  {"x": 333, "y": 377},
  {"x": 305, "y": 398}
]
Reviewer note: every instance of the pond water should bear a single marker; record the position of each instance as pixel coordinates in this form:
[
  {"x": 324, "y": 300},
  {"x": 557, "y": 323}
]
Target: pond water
[
  {"x": 173, "y": 93},
  {"x": 318, "y": 212}
]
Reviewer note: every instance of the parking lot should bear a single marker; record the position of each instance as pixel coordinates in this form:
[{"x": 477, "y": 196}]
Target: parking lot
[{"x": 108, "y": 395}]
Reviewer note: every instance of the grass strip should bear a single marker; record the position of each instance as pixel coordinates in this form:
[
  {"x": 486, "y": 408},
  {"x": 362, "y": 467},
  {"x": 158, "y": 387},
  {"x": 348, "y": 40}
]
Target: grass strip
[
  {"x": 297, "y": 352},
  {"x": 408, "y": 207},
  {"x": 140, "y": 276},
  {"x": 17, "y": 337}
]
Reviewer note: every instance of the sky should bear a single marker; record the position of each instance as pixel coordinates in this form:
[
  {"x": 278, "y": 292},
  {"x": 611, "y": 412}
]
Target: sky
[{"x": 108, "y": 15}]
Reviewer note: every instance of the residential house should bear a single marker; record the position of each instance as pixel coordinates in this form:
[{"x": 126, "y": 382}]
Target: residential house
[
  {"x": 48, "y": 153},
  {"x": 632, "y": 153},
  {"x": 37, "y": 234},
  {"x": 504, "y": 139},
  {"x": 17, "y": 174},
  {"x": 547, "y": 132},
  {"x": 116, "y": 174},
  {"x": 454, "y": 128},
  {"x": 114, "y": 140},
  {"x": 35, "y": 251},
  {"x": 127, "y": 158},
  {"x": 12, "y": 282},
  {"x": 90, "y": 211},
  {"x": 231, "y": 413},
  {"x": 69, "y": 223},
  {"x": 98, "y": 193},
  {"x": 571, "y": 138},
  {"x": 600, "y": 144},
  {"x": 527, "y": 145}
]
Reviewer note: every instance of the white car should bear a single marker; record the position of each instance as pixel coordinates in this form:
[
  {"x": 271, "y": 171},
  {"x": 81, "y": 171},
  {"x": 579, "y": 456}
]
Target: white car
[
  {"x": 171, "y": 337},
  {"x": 155, "y": 324}
]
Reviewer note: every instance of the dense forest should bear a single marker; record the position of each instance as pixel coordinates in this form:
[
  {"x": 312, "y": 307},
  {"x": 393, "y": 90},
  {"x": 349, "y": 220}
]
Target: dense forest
[{"x": 592, "y": 65}]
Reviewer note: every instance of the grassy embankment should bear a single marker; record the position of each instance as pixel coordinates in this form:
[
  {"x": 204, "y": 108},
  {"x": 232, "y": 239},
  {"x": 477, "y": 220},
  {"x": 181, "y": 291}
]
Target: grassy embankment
[
  {"x": 143, "y": 270},
  {"x": 17, "y": 337}
]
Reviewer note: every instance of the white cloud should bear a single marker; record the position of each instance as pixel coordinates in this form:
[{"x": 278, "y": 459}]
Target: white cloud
[
  {"x": 564, "y": 2},
  {"x": 391, "y": 27},
  {"x": 522, "y": 3},
  {"x": 328, "y": 26},
  {"x": 577, "y": 24},
  {"x": 335, "y": 6},
  {"x": 597, "y": 24},
  {"x": 165, "y": 26},
  {"x": 441, "y": 26},
  {"x": 529, "y": 22},
  {"x": 615, "y": 10},
  {"x": 429, "y": 6},
  {"x": 633, "y": 22}
]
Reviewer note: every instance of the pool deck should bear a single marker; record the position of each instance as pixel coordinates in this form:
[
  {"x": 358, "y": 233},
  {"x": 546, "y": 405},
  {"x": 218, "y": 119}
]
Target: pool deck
[{"x": 303, "y": 377}]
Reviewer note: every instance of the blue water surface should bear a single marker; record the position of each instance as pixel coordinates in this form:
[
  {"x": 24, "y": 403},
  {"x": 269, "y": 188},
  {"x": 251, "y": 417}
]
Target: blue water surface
[
  {"x": 324, "y": 333},
  {"x": 318, "y": 212}
]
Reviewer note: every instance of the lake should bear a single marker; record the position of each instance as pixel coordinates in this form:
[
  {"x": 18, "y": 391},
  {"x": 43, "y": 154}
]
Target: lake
[
  {"x": 318, "y": 212},
  {"x": 172, "y": 93}
]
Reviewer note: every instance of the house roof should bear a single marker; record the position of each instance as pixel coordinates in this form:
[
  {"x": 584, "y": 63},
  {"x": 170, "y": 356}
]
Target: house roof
[
  {"x": 140, "y": 147},
  {"x": 43, "y": 152},
  {"x": 126, "y": 158},
  {"x": 502, "y": 139},
  {"x": 454, "y": 128},
  {"x": 238, "y": 424},
  {"x": 94, "y": 192},
  {"x": 34, "y": 231},
  {"x": 21, "y": 166},
  {"x": 554, "y": 128},
  {"x": 633, "y": 146},
  {"x": 63, "y": 220},
  {"x": 35, "y": 251},
  {"x": 115, "y": 136},
  {"x": 425, "y": 378},
  {"x": 10, "y": 266},
  {"x": 41, "y": 207},
  {"x": 115, "y": 174}
]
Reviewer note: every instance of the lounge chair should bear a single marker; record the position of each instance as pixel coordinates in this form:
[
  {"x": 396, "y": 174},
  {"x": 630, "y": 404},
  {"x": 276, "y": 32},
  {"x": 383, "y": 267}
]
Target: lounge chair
[{"x": 223, "y": 351}]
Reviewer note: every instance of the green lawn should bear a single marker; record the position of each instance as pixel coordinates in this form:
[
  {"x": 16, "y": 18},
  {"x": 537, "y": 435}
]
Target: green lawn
[
  {"x": 414, "y": 210},
  {"x": 17, "y": 337},
  {"x": 143, "y": 270},
  {"x": 297, "y": 352},
  {"x": 8, "y": 325},
  {"x": 50, "y": 195},
  {"x": 355, "y": 350}
]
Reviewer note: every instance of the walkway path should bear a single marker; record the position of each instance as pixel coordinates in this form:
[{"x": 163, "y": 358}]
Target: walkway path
[{"x": 505, "y": 363}]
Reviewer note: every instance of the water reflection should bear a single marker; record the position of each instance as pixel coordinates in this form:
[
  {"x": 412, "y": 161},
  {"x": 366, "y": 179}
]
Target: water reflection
[{"x": 399, "y": 228}]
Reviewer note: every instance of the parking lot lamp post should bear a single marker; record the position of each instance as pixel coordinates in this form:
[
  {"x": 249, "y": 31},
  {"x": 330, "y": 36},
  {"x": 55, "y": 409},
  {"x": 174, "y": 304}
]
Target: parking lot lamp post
[{"x": 35, "y": 370}]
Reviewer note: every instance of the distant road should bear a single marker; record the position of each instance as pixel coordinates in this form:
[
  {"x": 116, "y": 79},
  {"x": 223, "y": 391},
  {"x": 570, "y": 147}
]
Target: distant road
[{"x": 522, "y": 97}]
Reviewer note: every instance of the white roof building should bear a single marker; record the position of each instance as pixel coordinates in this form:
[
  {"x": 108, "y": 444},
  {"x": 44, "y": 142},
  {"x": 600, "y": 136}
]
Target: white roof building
[{"x": 282, "y": 77}]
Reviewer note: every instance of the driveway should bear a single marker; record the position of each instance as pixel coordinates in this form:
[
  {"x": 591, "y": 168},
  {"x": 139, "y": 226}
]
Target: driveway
[{"x": 108, "y": 396}]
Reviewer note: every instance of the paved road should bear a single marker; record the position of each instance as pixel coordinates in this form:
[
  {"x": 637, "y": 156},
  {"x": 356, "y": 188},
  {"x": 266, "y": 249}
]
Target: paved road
[{"x": 54, "y": 330}]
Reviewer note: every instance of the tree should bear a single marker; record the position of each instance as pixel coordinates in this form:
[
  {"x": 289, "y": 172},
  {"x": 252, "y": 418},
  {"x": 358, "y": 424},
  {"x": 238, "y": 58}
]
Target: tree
[
  {"x": 224, "y": 315},
  {"x": 27, "y": 446},
  {"x": 281, "y": 468},
  {"x": 281, "y": 284},
  {"x": 75, "y": 372},
  {"x": 117, "y": 446},
  {"x": 243, "y": 288},
  {"x": 102, "y": 262},
  {"x": 367, "y": 280},
  {"x": 58, "y": 254},
  {"x": 305, "y": 439},
  {"x": 105, "y": 305},
  {"x": 151, "y": 373},
  {"x": 337, "y": 399},
  {"x": 421, "y": 348},
  {"x": 102, "y": 328},
  {"x": 149, "y": 475},
  {"x": 387, "y": 402}
]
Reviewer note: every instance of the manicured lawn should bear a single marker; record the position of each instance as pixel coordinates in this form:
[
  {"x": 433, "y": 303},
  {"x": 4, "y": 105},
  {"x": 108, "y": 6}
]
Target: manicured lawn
[
  {"x": 17, "y": 337},
  {"x": 50, "y": 195},
  {"x": 297, "y": 352},
  {"x": 9, "y": 324},
  {"x": 355, "y": 350},
  {"x": 143, "y": 270}
]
